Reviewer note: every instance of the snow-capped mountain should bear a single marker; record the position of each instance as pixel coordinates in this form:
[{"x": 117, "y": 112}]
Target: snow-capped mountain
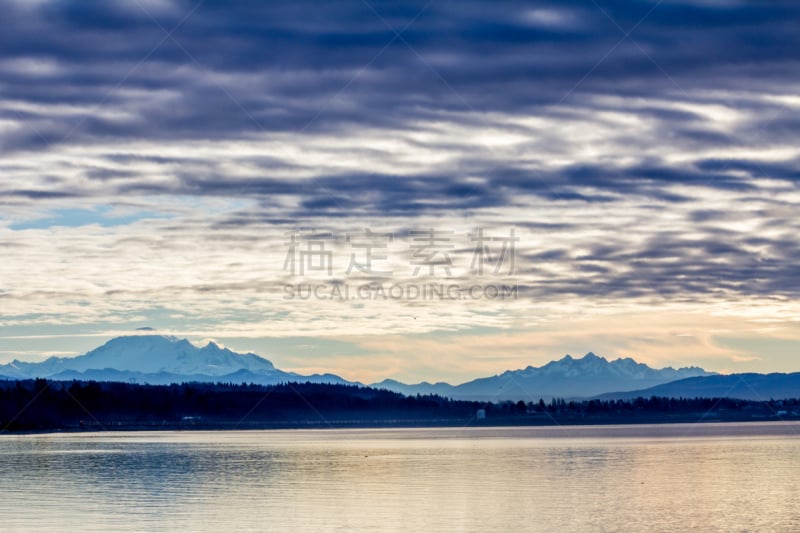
[
  {"x": 568, "y": 377},
  {"x": 160, "y": 359}
]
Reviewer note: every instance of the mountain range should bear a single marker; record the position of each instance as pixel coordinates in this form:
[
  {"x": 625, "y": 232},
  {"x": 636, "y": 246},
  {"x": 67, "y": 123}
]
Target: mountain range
[
  {"x": 568, "y": 377},
  {"x": 158, "y": 359}
]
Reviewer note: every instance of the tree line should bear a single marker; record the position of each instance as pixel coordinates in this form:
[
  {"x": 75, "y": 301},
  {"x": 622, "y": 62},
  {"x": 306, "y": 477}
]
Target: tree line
[{"x": 42, "y": 405}]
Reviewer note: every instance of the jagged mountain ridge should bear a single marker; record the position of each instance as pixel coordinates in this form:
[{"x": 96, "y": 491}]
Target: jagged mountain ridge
[
  {"x": 160, "y": 359},
  {"x": 568, "y": 377}
]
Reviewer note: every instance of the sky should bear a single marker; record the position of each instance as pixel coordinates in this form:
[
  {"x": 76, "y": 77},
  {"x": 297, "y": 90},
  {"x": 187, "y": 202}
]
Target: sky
[{"x": 617, "y": 177}]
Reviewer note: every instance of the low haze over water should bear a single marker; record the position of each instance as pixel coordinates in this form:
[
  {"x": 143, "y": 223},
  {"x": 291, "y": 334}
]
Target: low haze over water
[{"x": 703, "y": 477}]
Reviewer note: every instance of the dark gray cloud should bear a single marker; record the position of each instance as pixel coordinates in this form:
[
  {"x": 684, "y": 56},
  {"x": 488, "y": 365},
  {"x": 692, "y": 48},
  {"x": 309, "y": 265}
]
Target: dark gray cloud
[
  {"x": 282, "y": 64},
  {"x": 682, "y": 117}
]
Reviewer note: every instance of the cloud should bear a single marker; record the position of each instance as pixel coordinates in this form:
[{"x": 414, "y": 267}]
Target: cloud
[{"x": 648, "y": 169}]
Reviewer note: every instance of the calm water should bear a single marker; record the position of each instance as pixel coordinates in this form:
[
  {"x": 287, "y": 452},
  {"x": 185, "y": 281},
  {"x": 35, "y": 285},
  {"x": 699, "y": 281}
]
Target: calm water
[{"x": 711, "y": 477}]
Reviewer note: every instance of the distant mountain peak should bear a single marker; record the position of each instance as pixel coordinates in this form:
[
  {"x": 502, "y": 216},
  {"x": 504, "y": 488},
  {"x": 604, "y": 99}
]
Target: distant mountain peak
[
  {"x": 150, "y": 357},
  {"x": 149, "y": 354},
  {"x": 592, "y": 357},
  {"x": 145, "y": 336},
  {"x": 566, "y": 377}
]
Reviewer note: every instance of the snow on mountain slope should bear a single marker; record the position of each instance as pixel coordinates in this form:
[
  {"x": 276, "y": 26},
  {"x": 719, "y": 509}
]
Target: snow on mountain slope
[
  {"x": 568, "y": 377},
  {"x": 159, "y": 359},
  {"x": 148, "y": 354}
]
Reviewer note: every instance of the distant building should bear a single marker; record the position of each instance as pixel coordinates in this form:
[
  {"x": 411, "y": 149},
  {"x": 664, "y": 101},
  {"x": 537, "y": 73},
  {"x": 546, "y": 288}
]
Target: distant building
[{"x": 481, "y": 414}]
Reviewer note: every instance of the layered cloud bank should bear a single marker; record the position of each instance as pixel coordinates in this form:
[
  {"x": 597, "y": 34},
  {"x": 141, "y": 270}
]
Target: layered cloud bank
[{"x": 157, "y": 157}]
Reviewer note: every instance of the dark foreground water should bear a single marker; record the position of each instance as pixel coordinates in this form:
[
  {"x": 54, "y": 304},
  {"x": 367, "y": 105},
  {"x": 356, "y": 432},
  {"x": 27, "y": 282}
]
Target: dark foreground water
[{"x": 701, "y": 477}]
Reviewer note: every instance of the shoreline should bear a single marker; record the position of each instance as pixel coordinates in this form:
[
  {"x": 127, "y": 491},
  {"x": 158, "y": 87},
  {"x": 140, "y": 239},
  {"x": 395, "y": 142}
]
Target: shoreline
[{"x": 509, "y": 423}]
